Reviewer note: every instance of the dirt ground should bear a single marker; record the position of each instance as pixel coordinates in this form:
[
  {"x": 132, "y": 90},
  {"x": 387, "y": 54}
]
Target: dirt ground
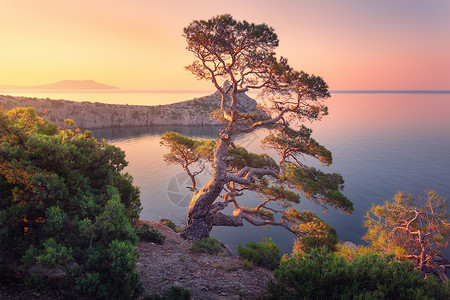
[{"x": 206, "y": 276}]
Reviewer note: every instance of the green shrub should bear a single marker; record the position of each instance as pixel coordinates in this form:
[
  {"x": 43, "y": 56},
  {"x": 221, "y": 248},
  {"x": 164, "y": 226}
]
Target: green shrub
[
  {"x": 34, "y": 282},
  {"x": 108, "y": 273},
  {"x": 171, "y": 225},
  {"x": 175, "y": 293},
  {"x": 231, "y": 268},
  {"x": 322, "y": 275},
  {"x": 317, "y": 234},
  {"x": 207, "y": 245},
  {"x": 248, "y": 265},
  {"x": 150, "y": 235},
  {"x": 66, "y": 205},
  {"x": 349, "y": 253},
  {"x": 265, "y": 254}
]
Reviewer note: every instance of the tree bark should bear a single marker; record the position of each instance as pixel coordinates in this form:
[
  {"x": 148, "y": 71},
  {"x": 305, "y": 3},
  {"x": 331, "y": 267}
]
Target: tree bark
[
  {"x": 200, "y": 219},
  {"x": 198, "y": 229}
]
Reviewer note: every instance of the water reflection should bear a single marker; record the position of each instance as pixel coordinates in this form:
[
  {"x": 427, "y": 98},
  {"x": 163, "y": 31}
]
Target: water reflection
[
  {"x": 380, "y": 143},
  {"x": 115, "y": 134}
]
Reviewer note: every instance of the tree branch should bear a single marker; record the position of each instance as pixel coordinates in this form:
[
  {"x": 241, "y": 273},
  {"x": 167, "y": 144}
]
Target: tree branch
[
  {"x": 249, "y": 173},
  {"x": 268, "y": 223}
]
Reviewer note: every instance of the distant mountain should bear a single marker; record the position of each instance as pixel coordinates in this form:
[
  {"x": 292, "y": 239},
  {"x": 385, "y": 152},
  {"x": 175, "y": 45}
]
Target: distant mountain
[{"x": 66, "y": 85}]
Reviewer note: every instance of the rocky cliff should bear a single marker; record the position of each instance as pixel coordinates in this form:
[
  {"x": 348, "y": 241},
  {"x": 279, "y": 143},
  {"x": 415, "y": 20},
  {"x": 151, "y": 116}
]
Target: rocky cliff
[{"x": 90, "y": 115}]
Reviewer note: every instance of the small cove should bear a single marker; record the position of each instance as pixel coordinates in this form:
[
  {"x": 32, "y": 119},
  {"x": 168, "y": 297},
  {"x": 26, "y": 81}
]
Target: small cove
[{"x": 381, "y": 144}]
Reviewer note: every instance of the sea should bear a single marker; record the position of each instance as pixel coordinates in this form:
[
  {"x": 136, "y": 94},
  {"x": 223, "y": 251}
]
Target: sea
[{"x": 382, "y": 142}]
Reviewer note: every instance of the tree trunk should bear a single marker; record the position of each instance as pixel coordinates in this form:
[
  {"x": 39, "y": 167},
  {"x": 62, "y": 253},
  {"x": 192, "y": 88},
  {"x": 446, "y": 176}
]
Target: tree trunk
[
  {"x": 200, "y": 219},
  {"x": 198, "y": 229}
]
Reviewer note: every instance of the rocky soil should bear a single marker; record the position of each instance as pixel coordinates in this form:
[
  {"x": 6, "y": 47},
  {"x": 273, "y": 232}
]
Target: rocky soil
[{"x": 206, "y": 276}]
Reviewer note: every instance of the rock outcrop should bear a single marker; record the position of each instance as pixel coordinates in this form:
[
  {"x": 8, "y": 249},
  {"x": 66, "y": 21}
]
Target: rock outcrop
[{"x": 90, "y": 115}]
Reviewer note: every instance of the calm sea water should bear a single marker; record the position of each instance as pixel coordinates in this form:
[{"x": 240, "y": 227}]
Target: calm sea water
[{"x": 381, "y": 144}]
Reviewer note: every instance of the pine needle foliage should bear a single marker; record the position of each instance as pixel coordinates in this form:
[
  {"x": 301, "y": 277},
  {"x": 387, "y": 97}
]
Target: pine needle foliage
[
  {"x": 265, "y": 254},
  {"x": 65, "y": 204},
  {"x": 321, "y": 275}
]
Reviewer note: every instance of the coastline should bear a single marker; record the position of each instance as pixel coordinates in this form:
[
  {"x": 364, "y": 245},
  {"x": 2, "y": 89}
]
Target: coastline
[{"x": 96, "y": 115}]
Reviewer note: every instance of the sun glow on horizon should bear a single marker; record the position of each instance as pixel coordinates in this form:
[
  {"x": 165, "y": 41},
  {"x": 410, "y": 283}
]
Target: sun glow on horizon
[{"x": 139, "y": 44}]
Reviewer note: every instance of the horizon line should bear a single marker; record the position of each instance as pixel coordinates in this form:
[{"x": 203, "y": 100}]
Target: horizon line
[
  {"x": 119, "y": 90},
  {"x": 390, "y": 91}
]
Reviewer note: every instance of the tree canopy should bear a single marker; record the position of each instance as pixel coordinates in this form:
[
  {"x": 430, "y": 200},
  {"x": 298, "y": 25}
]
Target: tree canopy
[
  {"x": 65, "y": 204},
  {"x": 238, "y": 56},
  {"x": 412, "y": 228}
]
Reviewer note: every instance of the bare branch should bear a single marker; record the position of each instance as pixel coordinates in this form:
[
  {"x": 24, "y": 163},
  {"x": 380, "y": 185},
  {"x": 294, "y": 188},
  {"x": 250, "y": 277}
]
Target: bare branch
[{"x": 267, "y": 223}]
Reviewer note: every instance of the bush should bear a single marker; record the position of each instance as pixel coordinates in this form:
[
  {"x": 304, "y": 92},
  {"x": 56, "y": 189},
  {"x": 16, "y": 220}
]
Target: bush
[
  {"x": 349, "y": 253},
  {"x": 66, "y": 205},
  {"x": 175, "y": 293},
  {"x": 171, "y": 225},
  {"x": 150, "y": 235},
  {"x": 265, "y": 254},
  {"x": 248, "y": 265},
  {"x": 322, "y": 275},
  {"x": 207, "y": 245},
  {"x": 317, "y": 234},
  {"x": 34, "y": 282},
  {"x": 107, "y": 273}
]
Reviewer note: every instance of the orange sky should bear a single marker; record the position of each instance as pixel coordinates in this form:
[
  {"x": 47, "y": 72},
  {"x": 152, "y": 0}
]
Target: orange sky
[{"x": 137, "y": 44}]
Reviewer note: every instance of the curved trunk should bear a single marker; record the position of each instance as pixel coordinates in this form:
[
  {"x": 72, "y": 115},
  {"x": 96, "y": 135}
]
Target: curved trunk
[
  {"x": 197, "y": 229},
  {"x": 200, "y": 219},
  {"x": 200, "y": 216}
]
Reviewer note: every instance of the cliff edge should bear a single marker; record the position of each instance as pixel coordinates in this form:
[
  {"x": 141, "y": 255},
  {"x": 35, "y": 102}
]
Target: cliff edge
[{"x": 90, "y": 115}]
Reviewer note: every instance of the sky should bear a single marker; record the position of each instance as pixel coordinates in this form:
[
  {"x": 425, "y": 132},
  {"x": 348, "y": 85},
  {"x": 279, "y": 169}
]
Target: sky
[{"x": 138, "y": 44}]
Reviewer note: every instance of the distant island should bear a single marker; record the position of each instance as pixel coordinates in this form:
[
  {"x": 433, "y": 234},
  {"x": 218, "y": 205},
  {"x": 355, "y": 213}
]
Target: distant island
[{"x": 64, "y": 85}]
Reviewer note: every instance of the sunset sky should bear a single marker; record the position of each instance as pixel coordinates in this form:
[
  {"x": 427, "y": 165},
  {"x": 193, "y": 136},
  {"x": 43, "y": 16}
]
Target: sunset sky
[{"x": 138, "y": 44}]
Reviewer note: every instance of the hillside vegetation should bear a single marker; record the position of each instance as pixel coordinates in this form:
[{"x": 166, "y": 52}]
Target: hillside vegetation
[{"x": 90, "y": 115}]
